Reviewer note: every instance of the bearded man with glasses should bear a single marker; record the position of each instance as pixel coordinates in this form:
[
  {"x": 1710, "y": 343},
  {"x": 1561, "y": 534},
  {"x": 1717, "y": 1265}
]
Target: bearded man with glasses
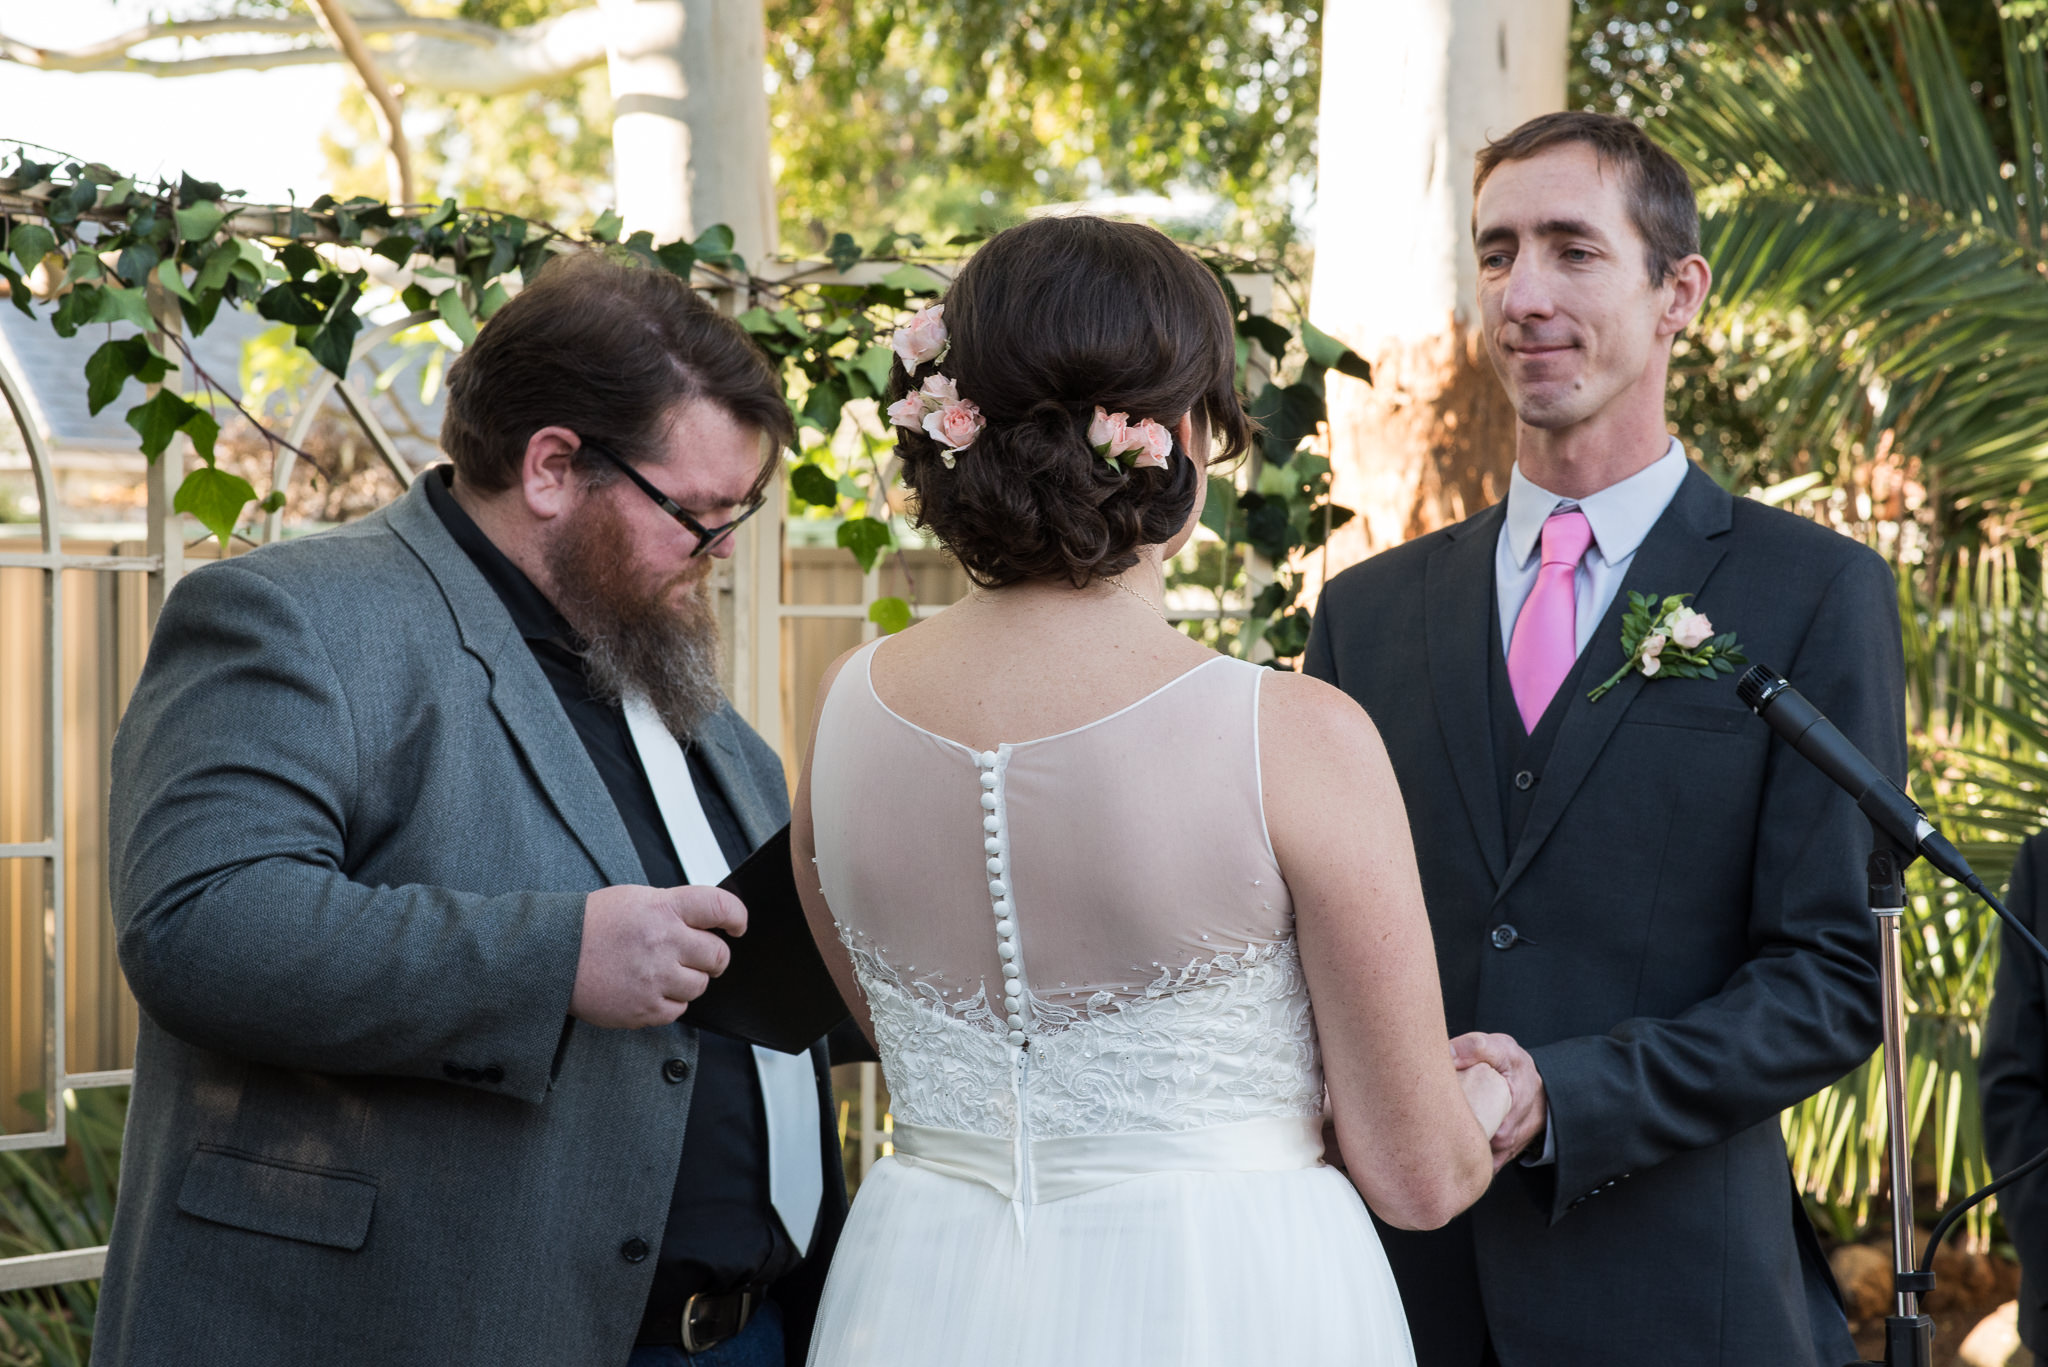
[{"x": 416, "y": 827}]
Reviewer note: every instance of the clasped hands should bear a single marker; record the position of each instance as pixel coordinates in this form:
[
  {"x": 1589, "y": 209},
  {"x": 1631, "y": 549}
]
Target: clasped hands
[{"x": 1489, "y": 1065}]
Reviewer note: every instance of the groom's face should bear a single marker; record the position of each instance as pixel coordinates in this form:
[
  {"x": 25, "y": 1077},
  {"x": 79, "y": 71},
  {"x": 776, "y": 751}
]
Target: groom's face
[{"x": 1570, "y": 316}]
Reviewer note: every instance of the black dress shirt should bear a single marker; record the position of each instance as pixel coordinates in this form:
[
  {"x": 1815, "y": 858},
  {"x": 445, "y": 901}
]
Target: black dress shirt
[{"x": 722, "y": 1231}]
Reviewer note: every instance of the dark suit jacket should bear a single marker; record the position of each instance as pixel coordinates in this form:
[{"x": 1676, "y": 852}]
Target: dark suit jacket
[
  {"x": 1692, "y": 950},
  {"x": 352, "y": 834},
  {"x": 2012, "y": 1078}
]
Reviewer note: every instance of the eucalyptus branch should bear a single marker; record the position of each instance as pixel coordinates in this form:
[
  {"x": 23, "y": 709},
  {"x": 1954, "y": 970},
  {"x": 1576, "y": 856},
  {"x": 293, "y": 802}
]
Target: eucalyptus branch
[
  {"x": 112, "y": 54},
  {"x": 341, "y": 30}
]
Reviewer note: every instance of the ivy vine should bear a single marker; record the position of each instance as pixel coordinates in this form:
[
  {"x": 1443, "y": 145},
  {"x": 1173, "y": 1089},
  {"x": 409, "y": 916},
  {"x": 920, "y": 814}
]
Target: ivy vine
[{"x": 165, "y": 257}]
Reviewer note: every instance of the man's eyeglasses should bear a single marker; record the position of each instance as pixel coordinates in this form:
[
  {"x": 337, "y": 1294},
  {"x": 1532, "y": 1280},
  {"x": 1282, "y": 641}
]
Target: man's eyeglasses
[{"x": 708, "y": 538}]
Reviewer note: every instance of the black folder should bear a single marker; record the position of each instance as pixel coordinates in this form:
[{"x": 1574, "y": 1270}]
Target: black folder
[{"x": 776, "y": 991}]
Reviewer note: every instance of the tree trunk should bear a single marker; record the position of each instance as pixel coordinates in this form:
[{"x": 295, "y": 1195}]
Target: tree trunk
[
  {"x": 690, "y": 128},
  {"x": 1411, "y": 90}
]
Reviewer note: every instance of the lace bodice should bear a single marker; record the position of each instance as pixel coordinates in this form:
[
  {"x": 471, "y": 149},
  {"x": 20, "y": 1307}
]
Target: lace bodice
[{"x": 1087, "y": 931}]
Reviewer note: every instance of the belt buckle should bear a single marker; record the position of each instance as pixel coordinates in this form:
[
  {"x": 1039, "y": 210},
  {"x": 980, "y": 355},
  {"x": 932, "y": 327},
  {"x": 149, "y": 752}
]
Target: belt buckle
[{"x": 716, "y": 1330}]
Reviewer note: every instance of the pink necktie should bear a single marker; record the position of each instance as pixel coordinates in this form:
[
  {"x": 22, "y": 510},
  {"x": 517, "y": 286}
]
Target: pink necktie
[{"x": 1546, "y": 640}]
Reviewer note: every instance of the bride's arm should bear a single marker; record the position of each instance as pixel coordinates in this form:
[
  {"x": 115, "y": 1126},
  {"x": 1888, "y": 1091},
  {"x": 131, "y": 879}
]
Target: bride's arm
[
  {"x": 1417, "y": 1151},
  {"x": 803, "y": 852}
]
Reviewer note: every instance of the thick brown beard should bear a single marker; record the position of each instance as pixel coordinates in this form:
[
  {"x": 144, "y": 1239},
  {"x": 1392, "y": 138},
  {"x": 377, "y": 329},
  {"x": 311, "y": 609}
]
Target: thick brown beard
[{"x": 663, "y": 644}]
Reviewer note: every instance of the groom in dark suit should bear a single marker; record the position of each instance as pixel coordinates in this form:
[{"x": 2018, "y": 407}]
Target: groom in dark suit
[{"x": 1649, "y": 913}]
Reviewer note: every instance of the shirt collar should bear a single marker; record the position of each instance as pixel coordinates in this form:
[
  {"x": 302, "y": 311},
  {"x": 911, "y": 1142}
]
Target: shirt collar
[
  {"x": 536, "y": 618},
  {"x": 1620, "y": 515}
]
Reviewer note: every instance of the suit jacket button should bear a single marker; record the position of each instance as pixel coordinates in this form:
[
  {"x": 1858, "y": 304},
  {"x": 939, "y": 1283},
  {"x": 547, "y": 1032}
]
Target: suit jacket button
[
  {"x": 453, "y": 1070},
  {"x": 1525, "y": 780},
  {"x": 494, "y": 1074},
  {"x": 676, "y": 1069},
  {"x": 634, "y": 1250},
  {"x": 1504, "y": 937}
]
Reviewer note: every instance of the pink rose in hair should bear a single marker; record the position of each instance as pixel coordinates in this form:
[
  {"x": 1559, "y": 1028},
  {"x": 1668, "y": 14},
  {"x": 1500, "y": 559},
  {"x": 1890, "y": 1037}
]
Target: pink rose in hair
[
  {"x": 922, "y": 339},
  {"x": 908, "y": 411},
  {"x": 1153, "y": 443},
  {"x": 1107, "y": 434},
  {"x": 955, "y": 426},
  {"x": 938, "y": 391}
]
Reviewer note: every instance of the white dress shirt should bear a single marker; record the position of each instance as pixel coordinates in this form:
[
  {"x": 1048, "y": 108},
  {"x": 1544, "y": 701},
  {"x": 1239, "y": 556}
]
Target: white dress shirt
[{"x": 1620, "y": 515}]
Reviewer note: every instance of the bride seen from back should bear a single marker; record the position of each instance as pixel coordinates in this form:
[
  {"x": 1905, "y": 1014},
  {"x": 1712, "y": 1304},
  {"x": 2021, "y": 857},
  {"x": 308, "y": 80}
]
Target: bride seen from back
[{"x": 1120, "y": 913}]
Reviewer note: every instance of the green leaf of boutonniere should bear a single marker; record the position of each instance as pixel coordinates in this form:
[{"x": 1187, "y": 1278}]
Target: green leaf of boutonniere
[{"x": 1654, "y": 633}]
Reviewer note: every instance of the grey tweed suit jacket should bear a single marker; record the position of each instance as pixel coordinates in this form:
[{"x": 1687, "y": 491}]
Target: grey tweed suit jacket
[{"x": 352, "y": 832}]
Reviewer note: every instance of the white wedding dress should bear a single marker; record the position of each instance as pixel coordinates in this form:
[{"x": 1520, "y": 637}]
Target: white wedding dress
[{"x": 1079, "y": 956}]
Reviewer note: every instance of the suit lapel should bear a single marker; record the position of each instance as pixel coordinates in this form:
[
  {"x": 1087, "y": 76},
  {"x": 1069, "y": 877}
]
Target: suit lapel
[
  {"x": 520, "y": 693},
  {"x": 1677, "y": 556},
  {"x": 717, "y": 745},
  {"x": 1459, "y": 627}
]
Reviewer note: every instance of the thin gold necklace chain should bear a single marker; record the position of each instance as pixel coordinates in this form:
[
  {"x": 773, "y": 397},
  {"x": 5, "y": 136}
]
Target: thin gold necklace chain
[{"x": 1157, "y": 611}]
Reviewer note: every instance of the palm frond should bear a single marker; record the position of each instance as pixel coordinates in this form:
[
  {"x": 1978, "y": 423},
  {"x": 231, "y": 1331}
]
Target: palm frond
[{"x": 1877, "y": 263}]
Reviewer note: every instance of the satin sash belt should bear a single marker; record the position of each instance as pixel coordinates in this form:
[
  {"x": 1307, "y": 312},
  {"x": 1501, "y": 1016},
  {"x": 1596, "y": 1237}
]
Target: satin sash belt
[{"x": 1067, "y": 1165}]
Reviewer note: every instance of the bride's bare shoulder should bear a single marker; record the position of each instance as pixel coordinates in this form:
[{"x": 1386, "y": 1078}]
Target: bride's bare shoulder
[{"x": 1295, "y": 700}]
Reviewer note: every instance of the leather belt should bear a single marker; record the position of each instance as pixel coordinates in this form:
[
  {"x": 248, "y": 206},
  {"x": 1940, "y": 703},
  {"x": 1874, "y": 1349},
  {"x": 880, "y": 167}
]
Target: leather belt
[{"x": 708, "y": 1319}]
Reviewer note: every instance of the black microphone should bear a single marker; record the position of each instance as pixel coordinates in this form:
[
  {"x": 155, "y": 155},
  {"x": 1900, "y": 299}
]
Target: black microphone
[{"x": 1771, "y": 696}]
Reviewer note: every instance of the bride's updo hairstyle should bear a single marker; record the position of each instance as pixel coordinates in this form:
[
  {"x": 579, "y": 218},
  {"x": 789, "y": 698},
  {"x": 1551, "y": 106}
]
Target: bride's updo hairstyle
[{"x": 1047, "y": 322}]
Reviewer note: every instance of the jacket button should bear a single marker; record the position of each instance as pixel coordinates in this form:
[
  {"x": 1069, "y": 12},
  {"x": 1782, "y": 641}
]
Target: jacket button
[
  {"x": 494, "y": 1074},
  {"x": 1504, "y": 937},
  {"x": 1525, "y": 780},
  {"x": 634, "y": 1250},
  {"x": 676, "y": 1069}
]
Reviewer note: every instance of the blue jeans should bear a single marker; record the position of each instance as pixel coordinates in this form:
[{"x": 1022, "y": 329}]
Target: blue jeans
[{"x": 757, "y": 1345}]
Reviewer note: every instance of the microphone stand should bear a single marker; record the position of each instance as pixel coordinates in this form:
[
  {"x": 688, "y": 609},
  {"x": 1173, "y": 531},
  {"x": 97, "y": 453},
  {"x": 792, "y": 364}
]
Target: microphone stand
[{"x": 1908, "y": 1334}]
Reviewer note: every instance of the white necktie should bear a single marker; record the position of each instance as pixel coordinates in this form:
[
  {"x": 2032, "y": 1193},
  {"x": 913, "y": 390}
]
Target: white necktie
[{"x": 789, "y": 1087}]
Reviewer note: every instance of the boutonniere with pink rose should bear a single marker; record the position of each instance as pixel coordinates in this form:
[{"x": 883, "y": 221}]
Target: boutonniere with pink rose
[{"x": 1668, "y": 640}]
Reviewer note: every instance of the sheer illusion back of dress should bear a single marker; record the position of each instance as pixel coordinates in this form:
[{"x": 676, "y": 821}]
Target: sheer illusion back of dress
[
  {"x": 1078, "y": 953},
  {"x": 1086, "y": 930}
]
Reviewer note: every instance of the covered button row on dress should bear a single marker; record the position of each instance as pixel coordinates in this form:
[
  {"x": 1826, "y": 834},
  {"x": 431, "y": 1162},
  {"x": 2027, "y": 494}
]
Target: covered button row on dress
[{"x": 999, "y": 894}]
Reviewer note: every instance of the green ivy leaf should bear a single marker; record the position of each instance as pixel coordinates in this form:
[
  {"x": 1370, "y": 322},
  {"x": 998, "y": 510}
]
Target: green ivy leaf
[
  {"x": 214, "y": 272},
  {"x": 192, "y": 191},
  {"x": 758, "y": 320},
  {"x": 714, "y": 243},
  {"x": 106, "y": 371},
  {"x": 1267, "y": 333},
  {"x": 173, "y": 280},
  {"x": 124, "y": 304},
  {"x": 17, "y": 288},
  {"x": 117, "y": 362},
  {"x": 30, "y": 243},
  {"x": 890, "y": 614},
  {"x": 158, "y": 420},
  {"x": 204, "y": 429},
  {"x": 866, "y": 538},
  {"x": 811, "y": 484},
  {"x": 677, "y": 258},
  {"x": 272, "y": 501},
  {"x": 494, "y": 297},
  {"x": 455, "y": 314},
  {"x": 824, "y": 404},
  {"x": 844, "y": 253},
  {"x": 875, "y": 363},
  {"x": 333, "y": 346},
  {"x": 396, "y": 248},
  {"x": 197, "y": 223},
  {"x": 607, "y": 227},
  {"x": 216, "y": 498},
  {"x": 299, "y": 260},
  {"x": 914, "y": 279}
]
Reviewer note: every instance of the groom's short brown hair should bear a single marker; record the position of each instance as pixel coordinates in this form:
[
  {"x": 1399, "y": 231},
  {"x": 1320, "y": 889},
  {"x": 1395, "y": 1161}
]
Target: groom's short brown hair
[{"x": 1660, "y": 198}]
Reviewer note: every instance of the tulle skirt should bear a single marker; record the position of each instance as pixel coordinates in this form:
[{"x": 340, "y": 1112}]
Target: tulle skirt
[{"x": 1192, "y": 1269}]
